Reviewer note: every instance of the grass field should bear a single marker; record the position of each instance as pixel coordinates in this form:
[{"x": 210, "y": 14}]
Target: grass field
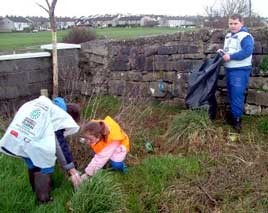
[{"x": 28, "y": 41}]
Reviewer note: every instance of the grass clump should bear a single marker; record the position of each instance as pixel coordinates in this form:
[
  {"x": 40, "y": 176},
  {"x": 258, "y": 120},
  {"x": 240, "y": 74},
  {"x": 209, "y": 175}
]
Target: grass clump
[
  {"x": 193, "y": 132},
  {"x": 262, "y": 125},
  {"x": 147, "y": 182},
  {"x": 102, "y": 193},
  {"x": 101, "y": 106},
  {"x": 264, "y": 65}
]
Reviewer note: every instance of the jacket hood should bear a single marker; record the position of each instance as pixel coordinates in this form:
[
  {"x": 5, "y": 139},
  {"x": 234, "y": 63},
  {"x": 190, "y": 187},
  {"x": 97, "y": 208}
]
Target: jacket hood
[
  {"x": 60, "y": 103},
  {"x": 243, "y": 29}
]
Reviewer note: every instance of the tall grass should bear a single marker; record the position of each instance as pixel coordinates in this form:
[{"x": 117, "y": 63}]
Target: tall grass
[
  {"x": 101, "y": 193},
  {"x": 146, "y": 183}
]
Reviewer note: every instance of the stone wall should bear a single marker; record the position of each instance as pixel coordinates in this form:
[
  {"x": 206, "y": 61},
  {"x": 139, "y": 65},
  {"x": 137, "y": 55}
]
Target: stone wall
[
  {"x": 158, "y": 66},
  {"x": 149, "y": 67},
  {"x": 21, "y": 79},
  {"x": 22, "y": 76}
]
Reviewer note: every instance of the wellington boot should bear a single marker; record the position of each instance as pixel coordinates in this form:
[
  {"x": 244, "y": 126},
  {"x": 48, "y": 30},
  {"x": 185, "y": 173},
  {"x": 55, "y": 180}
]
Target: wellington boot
[
  {"x": 31, "y": 178},
  {"x": 237, "y": 125},
  {"x": 42, "y": 183}
]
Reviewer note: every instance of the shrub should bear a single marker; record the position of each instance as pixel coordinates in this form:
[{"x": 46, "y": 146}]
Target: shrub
[{"x": 79, "y": 35}]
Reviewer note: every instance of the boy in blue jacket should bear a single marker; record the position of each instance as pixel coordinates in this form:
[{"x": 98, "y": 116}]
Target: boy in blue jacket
[{"x": 238, "y": 49}]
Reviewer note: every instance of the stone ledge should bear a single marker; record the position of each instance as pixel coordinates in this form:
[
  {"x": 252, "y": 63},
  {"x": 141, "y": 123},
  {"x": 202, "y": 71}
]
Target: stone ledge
[{"x": 24, "y": 56}]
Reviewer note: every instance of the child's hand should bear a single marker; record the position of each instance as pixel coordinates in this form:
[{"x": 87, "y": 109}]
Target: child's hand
[
  {"x": 76, "y": 180},
  {"x": 75, "y": 177},
  {"x": 84, "y": 177}
]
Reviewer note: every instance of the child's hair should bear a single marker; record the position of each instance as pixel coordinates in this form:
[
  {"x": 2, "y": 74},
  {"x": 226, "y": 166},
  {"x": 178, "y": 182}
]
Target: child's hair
[
  {"x": 237, "y": 16},
  {"x": 74, "y": 110},
  {"x": 95, "y": 128}
]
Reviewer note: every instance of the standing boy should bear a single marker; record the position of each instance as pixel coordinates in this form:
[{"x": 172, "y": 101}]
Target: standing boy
[{"x": 238, "y": 49}]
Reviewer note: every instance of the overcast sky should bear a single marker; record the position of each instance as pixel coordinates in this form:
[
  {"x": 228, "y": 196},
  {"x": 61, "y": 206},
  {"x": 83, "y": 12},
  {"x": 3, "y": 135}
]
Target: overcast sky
[{"x": 86, "y": 7}]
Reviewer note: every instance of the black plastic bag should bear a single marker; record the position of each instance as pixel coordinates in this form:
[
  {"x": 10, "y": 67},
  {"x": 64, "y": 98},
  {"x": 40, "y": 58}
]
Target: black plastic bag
[{"x": 202, "y": 85}]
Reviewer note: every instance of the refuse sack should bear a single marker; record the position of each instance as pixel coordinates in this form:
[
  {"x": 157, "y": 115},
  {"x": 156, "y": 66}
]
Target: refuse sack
[{"x": 202, "y": 85}]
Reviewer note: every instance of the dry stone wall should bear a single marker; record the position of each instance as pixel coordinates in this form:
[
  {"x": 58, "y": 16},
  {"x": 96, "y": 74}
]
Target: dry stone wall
[
  {"x": 148, "y": 67},
  {"x": 158, "y": 66}
]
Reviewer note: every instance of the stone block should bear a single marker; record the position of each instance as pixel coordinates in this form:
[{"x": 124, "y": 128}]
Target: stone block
[
  {"x": 187, "y": 49},
  {"x": 257, "y": 97},
  {"x": 258, "y": 83},
  {"x": 13, "y": 79},
  {"x": 167, "y": 50}
]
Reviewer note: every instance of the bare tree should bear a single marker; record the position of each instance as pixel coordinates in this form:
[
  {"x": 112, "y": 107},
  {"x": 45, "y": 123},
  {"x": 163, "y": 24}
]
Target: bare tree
[
  {"x": 212, "y": 10},
  {"x": 230, "y": 7},
  {"x": 51, "y": 12},
  {"x": 226, "y": 8}
]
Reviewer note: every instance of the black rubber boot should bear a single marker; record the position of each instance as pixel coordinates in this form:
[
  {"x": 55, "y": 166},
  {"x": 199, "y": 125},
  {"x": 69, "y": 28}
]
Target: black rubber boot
[
  {"x": 31, "y": 178},
  {"x": 42, "y": 183},
  {"x": 212, "y": 110},
  {"x": 237, "y": 124},
  {"x": 229, "y": 118}
]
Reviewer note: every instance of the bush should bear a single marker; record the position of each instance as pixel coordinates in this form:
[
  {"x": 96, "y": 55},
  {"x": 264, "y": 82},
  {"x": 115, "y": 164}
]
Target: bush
[{"x": 79, "y": 35}]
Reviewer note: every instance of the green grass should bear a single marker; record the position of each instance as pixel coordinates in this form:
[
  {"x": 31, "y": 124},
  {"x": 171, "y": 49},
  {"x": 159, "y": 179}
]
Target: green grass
[
  {"x": 101, "y": 193},
  {"x": 23, "y": 41},
  {"x": 193, "y": 168},
  {"x": 135, "y": 32},
  {"x": 19, "y": 41},
  {"x": 16, "y": 192},
  {"x": 146, "y": 183}
]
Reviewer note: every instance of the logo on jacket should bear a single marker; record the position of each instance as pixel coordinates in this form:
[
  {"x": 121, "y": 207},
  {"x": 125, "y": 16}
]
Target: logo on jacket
[
  {"x": 35, "y": 114},
  {"x": 14, "y": 133},
  {"x": 28, "y": 123}
]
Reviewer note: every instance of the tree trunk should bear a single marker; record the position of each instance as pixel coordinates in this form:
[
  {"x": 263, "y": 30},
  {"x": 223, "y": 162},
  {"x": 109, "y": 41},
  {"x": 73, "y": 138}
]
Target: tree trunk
[{"x": 55, "y": 64}]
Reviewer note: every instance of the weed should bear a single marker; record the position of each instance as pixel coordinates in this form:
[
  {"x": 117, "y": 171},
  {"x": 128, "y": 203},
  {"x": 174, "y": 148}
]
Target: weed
[{"x": 264, "y": 64}]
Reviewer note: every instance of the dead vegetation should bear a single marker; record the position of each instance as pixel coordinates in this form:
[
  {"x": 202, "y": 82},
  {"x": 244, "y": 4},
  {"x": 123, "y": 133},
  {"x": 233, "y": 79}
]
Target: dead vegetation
[{"x": 234, "y": 175}]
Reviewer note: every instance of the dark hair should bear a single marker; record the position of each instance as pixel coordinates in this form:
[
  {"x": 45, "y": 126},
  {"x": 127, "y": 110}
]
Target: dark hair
[
  {"x": 95, "y": 128},
  {"x": 74, "y": 110},
  {"x": 237, "y": 16}
]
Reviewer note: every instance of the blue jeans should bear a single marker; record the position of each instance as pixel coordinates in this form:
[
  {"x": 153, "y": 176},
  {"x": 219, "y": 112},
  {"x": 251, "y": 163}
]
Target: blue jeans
[
  {"x": 31, "y": 166},
  {"x": 237, "y": 82}
]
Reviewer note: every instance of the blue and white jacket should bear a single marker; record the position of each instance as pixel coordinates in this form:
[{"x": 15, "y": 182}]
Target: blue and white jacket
[{"x": 240, "y": 48}]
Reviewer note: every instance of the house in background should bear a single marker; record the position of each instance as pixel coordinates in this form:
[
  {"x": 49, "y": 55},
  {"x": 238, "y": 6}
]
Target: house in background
[
  {"x": 39, "y": 23},
  {"x": 123, "y": 21},
  {"x": 175, "y": 21},
  {"x": 64, "y": 23},
  {"x": 148, "y": 21},
  {"x": 14, "y": 23}
]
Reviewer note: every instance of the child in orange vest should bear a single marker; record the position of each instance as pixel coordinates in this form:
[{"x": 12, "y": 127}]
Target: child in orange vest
[{"x": 109, "y": 142}]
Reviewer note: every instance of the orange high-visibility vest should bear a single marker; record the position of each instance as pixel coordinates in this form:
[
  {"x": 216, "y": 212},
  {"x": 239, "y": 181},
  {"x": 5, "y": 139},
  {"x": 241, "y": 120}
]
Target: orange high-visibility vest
[{"x": 116, "y": 134}]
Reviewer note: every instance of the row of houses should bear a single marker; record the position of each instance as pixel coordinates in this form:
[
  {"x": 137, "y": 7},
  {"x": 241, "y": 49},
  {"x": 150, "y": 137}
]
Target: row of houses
[
  {"x": 18, "y": 23},
  {"x": 138, "y": 20},
  {"x": 15, "y": 23}
]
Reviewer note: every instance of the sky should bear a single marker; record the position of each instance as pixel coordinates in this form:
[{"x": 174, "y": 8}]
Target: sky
[{"x": 79, "y": 8}]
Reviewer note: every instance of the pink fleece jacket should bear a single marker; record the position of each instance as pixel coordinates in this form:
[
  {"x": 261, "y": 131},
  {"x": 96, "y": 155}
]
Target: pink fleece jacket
[{"x": 113, "y": 151}]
